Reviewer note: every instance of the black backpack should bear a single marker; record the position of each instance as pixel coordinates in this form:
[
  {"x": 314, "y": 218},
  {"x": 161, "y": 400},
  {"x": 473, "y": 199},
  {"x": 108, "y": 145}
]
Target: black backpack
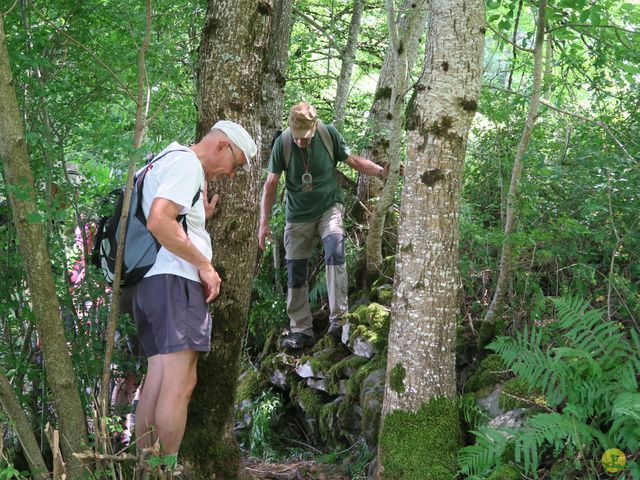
[{"x": 140, "y": 246}]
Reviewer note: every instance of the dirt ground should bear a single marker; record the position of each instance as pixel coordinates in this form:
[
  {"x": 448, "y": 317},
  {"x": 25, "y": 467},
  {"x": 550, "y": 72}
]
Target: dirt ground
[{"x": 294, "y": 470}]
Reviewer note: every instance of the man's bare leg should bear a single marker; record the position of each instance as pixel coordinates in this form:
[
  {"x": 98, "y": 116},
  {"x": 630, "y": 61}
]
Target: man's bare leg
[
  {"x": 178, "y": 381},
  {"x": 146, "y": 409}
]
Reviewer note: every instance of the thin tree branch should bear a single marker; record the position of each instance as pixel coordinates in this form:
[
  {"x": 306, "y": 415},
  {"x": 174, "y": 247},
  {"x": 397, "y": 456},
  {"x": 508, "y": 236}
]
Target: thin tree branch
[
  {"x": 508, "y": 40},
  {"x": 588, "y": 25},
  {"x": 311, "y": 21}
]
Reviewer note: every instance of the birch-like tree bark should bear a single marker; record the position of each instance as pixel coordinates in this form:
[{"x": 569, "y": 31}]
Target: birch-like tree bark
[
  {"x": 22, "y": 197},
  {"x": 377, "y": 134},
  {"x": 229, "y": 86},
  {"x": 516, "y": 172},
  {"x": 400, "y": 65},
  {"x": 348, "y": 56},
  {"x": 421, "y": 358}
]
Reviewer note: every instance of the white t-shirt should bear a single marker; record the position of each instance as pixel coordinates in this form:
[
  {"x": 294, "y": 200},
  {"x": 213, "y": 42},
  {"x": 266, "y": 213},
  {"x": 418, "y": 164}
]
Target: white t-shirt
[{"x": 177, "y": 177}]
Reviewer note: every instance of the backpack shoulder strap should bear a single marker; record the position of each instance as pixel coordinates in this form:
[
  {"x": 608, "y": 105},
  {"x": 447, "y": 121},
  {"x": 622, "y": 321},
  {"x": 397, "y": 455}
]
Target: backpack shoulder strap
[
  {"x": 287, "y": 140},
  {"x": 323, "y": 131}
]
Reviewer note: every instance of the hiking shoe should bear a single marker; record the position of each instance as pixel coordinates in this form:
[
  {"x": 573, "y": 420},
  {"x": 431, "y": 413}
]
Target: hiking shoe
[
  {"x": 297, "y": 341},
  {"x": 335, "y": 329}
]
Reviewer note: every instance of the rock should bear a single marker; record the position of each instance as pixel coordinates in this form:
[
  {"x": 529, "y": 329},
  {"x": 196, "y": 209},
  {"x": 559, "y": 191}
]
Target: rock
[
  {"x": 363, "y": 347},
  {"x": 342, "y": 387},
  {"x": 349, "y": 417},
  {"x": 278, "y": 378},
  {"x": 346, "y": 328},
  {"x": 491, "y": 403},
  {"x": 317, "y": 384},
  {"x": 279, "y": 370},
  {"x": 371, "y": 394},
  {"x": 511, "y": 419},
  {"x": 304, "y": 370},
  {"x": 243, "y": 415},
  {"x": 370, "y": 323}
]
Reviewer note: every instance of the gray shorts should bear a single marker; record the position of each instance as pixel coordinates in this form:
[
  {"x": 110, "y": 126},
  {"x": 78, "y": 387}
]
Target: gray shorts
[{"x": 171, "y": 315}]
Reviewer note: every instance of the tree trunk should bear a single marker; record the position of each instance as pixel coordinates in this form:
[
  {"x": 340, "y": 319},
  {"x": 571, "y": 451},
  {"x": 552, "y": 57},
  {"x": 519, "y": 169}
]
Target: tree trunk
[
  {"x": 18, "y": 176},
  {"x": 348, "y": 57},
  {"x": 275, "y": 76},
  {"x": 505, "y": 257},
  {"x": 421, "y": 356},
  {"x": 395, "y": 114},
  {"x": 378, "y": 144},
  {"x": 11, "y": 405},
  {"x": 229, "y": 86}
]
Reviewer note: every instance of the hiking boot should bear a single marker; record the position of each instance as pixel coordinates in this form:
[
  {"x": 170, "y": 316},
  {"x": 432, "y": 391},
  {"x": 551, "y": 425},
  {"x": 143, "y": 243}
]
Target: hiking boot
[
  {"x": 297, "y": 341},
  {"x": 335, "y": 329}
]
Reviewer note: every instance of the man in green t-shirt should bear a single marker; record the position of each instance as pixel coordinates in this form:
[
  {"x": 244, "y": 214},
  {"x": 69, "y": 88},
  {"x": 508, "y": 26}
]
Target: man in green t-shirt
[{"x": 314, "y": 210}]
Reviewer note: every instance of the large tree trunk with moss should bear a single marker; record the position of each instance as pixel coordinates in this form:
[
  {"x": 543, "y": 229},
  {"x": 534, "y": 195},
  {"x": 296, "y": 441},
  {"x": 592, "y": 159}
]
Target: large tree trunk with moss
[
  {"x": 516, "y": 172},
  {"x": 230, "y": 72},
  {"x": 421, "y": 378},
  {"x": 348, "y": 56},
  {"x": 30, "y": 229}
]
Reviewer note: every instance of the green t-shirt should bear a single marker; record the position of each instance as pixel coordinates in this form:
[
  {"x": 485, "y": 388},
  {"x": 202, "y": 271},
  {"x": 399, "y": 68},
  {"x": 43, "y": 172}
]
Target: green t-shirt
[{"x": 308, "y": 206}]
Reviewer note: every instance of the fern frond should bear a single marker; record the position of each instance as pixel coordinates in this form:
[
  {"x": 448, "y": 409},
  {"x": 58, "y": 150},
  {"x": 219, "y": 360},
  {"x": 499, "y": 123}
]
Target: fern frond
[
  {"x": 485, "y": 455},
  {"x": 552, "y": 430}
]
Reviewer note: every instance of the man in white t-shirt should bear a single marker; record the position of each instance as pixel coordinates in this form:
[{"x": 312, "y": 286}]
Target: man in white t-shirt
[{"x": 170, "y": 302}]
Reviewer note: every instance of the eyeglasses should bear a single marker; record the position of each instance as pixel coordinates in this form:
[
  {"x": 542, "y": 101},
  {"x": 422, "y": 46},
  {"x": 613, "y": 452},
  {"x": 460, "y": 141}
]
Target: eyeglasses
[{"x": 238, "y": 165}]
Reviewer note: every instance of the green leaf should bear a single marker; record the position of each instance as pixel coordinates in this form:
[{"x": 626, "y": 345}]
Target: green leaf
[
  {"x": 505, "y": 25},
  {"x": 495, "y": 17}
]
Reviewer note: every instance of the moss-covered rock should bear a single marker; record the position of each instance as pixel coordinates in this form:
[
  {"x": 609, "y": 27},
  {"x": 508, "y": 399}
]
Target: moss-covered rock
[
  {"x": 355, "y": 382},
  {"x": 341, "y": 370},
  {"x": 512, "y": 392},
  {"x": 490, "y": 372},
  {"x": 278, "y": 370},
  {"x": 309, "y": 401},
  {"x": 328, "y": 424},
  {"x": 349, "y": 416},
  {"x": 371, "y": 322},
  {"x": 421, "y": 445},
  {"x": 358, "y": 298},
  {"x": 250, "y": 385},
  {"x": 488, "y": 331},
  {"x": 383, "y": 294},
  {"x": 371, "y": 395},
  {"x": 322, "y": 360},
  {"x": 505, "y": 472}
]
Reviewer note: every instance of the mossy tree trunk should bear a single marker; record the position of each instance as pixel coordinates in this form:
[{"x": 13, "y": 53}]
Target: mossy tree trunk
[
  {"x": 421, "y": 358},
  {"x": 31, "y": 236},
  {"x": 230, "y": 72}
]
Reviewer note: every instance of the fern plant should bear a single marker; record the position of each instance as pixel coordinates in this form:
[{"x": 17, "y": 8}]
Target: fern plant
[{"x": 587, "y": 367}]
